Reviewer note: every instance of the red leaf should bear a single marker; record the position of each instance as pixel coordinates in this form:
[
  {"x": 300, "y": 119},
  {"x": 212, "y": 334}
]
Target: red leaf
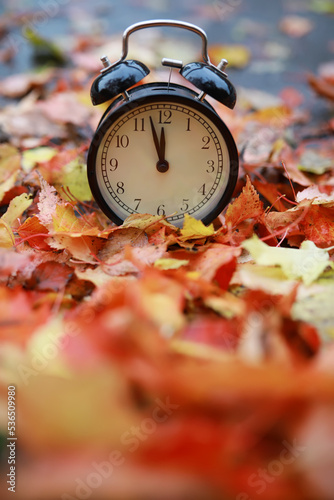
[
  {"x": 318, "y": 225},
  {"x": 218, "y": 332},
  {"x": 224, "y": 273},
  {"x": 50, "y": 276},
  {"x": 15, "y": 191},
  {"x": 30, "y": 227}
]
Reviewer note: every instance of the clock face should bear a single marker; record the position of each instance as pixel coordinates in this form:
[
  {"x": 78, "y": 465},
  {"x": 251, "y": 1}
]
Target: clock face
[{"x": 164, "y": 158}]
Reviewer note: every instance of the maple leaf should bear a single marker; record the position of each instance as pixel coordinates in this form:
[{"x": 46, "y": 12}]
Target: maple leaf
[{"x": 247, "y": 206}]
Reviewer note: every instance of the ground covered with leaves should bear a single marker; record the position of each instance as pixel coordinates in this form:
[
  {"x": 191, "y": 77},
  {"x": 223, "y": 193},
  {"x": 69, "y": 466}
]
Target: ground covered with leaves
[{"x": 156, "y": 362}]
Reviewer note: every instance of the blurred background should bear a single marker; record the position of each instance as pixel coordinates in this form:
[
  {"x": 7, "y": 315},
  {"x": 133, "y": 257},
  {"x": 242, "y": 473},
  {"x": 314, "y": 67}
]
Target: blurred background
[{"x": 270, "y": 45}]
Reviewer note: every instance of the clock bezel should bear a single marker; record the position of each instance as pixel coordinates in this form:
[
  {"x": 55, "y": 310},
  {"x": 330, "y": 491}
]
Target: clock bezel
[{"x": 155, "y": 93}]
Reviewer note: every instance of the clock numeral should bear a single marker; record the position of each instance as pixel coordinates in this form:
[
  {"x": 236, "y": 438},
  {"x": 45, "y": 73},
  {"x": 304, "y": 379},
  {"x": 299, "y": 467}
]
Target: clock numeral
[
  {"x": 137, "y": 200},
  {"x": 161, "y": 210},
  {"x": 202, "y": 190},
  {"x": 211, "y": 167},
  {"x": 206, "y": 140},
  {"x": 120, "y": 188},
  {"x": 185, "y": 205},
  {"x": 165, "y": 117},
  {"x": 113, "y": 164},
  {"x": 188, "y": 125},
  {"x": 122, "y": 141},
  {"x": 139, "y": 125}
]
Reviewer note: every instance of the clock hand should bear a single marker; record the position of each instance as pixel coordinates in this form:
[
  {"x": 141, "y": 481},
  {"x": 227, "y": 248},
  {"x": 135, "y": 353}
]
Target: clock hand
[
  {"x": 162, "y": 144},
  {"x": 155, "y": 139},
  {"x": 162, "y": 164}
]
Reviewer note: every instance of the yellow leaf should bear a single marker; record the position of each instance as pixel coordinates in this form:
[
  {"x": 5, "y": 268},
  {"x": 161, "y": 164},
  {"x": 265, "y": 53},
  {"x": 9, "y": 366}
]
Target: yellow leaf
[
  {"x": 194, "y": 229},
  {"x": 238, "y": 56},
  {"x": 65, "y": 221},
  {"x": 198, "y": 350},
  {"x": 75, "y": 178},
  {"x": 165, "y": 264},
  {"x": 306, "y": 263},
  {"x": 10, "y": 162},
  {"x": 143, "y": 221},
  {"x": 15, "y": 209},
  {"x": 6, "y": 235},
  {"x": 31, "y": 157},
  {"x": 164, "y": 311}
]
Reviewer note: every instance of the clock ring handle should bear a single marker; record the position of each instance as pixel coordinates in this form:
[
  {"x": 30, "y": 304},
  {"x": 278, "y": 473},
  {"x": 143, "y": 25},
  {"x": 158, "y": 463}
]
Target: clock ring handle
[{"x": 168, "y": 23}]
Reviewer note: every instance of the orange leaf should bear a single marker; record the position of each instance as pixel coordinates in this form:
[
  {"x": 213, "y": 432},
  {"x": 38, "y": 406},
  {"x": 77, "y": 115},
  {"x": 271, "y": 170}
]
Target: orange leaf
[
  {"x": 246, "y": 206},
  {"x": 318, "y": 225}
]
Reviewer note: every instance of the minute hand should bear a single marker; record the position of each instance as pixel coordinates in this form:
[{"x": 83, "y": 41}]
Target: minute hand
[{"x": 156, "y": 141}]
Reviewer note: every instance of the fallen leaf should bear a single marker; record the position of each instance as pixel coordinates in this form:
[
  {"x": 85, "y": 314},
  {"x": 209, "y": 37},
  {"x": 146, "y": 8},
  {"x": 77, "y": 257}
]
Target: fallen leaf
[
  {"x": 322, "y": 6},
  {"x": 10, "y": 162},
  {"x": 44, "y": 49},
  {"x": 296, "y": 26},
  {"x": 74, "y": 178},
  {"x": 195, "y": 229},
  {"x": 238, "y": 56},
  {"x": 169, "y": 263},
  {"x": 32, "y": 231},
  {"x": 15, "y": 209},
  {"x": 247, "y": 206},
  {"x": 32, "y": 157},
  {"x": 306, "y": 263},
  {"x": 65, "y": 107},
  {"x": 48, "y": 201},
  {"x": 313, "y": 162},
  {"x": 19, "y": 85},
  {"x": 321, "y": 87},
  {"x": 50, "y": 276}
]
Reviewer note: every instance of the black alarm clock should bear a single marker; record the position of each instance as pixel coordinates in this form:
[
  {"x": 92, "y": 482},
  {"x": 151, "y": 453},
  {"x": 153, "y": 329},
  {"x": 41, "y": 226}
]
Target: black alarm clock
[{"x": 161, "y": 148}]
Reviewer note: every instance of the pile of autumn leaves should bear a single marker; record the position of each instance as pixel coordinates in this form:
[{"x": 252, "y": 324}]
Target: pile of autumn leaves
[
  {"x": 231, "y": 323},
  {"x": 212, "y": 318}
]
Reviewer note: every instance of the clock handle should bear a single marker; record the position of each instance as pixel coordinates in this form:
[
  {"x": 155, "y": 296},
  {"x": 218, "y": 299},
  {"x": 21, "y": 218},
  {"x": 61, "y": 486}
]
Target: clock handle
[{"x": 169, "y": 23}]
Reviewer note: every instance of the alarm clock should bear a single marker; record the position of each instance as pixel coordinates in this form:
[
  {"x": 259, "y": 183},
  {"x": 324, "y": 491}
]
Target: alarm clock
[{"x": 161, "y": 148}]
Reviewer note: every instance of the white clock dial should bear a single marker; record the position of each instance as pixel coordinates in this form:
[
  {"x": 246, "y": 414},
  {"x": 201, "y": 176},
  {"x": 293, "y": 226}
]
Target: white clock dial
[{"x": 165, "y": 159}]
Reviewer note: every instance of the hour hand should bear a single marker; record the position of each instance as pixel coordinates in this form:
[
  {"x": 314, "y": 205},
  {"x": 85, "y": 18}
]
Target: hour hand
[
  {"x": 155, "y": 139},
  {"x": 162, "y": 144}
]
